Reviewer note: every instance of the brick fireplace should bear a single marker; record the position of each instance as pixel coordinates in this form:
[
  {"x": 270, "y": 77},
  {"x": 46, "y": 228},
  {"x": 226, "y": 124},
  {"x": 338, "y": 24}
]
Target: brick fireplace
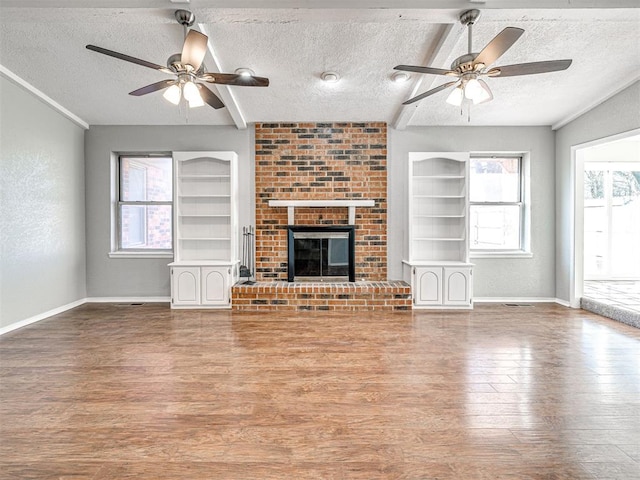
[{"x": 322, "y": 162}]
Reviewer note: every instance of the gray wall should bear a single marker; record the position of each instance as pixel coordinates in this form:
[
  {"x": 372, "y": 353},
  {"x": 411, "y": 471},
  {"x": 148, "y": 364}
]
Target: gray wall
[
  {"x": 118, "y": 277},
  {"x": 618, "y": 114},
  {"x": 500, "y": 277},
  {"x": 42, "y": 211}
]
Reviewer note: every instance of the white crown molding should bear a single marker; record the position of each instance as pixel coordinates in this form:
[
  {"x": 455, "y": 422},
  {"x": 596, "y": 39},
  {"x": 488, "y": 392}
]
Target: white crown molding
[
  {"x": 625, "y": 83},
  {"x": 8, "y": 74}
]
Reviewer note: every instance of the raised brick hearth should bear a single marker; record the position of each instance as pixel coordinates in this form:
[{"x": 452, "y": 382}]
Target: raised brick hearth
[{"x": 347, "y": 296}]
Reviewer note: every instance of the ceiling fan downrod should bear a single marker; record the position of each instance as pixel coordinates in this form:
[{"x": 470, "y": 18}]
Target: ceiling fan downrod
[
  {"x": 468, "y": 18},
  {"x": 464, "y": 63},
  {"x": 186, "y": 19}
]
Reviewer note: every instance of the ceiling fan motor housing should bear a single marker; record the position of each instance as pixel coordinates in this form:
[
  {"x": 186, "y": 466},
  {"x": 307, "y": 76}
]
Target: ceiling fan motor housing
[
  {"x": 185, "y": 17},
  {"x": 464, "y": 63},
  {"x": 469, "y": 17}
]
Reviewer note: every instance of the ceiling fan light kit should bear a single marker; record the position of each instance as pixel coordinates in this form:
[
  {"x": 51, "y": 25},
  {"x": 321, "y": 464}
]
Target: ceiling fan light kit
[
  {"x": 173, "y": 94},
  {"x": 456, "y": 96},
  {"x": 188, "y": 69},
  {"x": 470, "y": 67}
]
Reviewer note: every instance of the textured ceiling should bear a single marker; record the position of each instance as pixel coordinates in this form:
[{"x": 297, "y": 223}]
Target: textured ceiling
[{"x": 45, "y": 47}]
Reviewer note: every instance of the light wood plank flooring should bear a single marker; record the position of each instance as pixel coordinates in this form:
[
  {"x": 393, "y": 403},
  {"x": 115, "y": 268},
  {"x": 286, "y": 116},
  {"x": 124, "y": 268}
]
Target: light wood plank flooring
[{"x": 115, "y": 392}]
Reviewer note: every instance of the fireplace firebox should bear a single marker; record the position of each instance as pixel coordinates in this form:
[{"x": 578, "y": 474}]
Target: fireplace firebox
[{"x": 321, "y": 253}]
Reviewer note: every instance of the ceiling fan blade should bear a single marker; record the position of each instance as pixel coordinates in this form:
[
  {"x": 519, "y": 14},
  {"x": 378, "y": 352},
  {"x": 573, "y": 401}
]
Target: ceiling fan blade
[
  {"x": 154, "y": 87},
  {"x": 128, "y": 58},
  {"x": 429, "y": 92},
  {"x": 500, "y": 44},
  {"x": 194, "y": 49},
  {"x": 529, "y": 68},
  {"x": 209, "y": 97},
  {"x": 417, "y": 69},
  {"x": 235, "y": 79}
]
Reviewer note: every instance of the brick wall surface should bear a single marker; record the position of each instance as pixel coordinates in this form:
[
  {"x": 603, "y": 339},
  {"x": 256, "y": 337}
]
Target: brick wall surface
[{"x": 321, "y": 161}]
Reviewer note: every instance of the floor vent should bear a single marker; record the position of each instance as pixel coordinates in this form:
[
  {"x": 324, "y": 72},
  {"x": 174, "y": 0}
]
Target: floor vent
[
  {"x": 129, "y": 304},
  {"x": 518, "y": 305}
]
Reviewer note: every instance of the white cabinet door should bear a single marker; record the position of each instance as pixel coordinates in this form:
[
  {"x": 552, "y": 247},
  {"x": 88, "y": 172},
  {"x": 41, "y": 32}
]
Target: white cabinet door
[
  {"x": 457, "y": 286},
  {"x": 215, "y": 285},
  {"x": 427, "y": 285},
  {"x": 185, "y": 285}
]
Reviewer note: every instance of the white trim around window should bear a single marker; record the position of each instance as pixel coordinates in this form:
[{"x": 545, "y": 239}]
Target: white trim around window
[
  {"x": 116, "y": 203},
  {"x": 523, "y": 201}
]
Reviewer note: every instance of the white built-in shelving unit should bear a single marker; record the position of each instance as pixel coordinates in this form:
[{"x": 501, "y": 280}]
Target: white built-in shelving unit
[
  {"x": 437, "y": 261},
  {"x": 206, "y": 260}
]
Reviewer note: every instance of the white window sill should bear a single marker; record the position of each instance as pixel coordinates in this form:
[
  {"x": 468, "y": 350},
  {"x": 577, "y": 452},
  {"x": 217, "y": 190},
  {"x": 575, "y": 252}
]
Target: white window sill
[
  {"x": 141, "y": 255},
  {"x": 505, "y": 254}
]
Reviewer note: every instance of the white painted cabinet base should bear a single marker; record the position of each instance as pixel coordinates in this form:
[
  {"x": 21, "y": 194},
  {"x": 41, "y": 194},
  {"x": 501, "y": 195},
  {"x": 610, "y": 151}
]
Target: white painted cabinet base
[
  {"x": 185, "y": 286},
  {"x": 441, "y": 285},
  {"x": 203, "y": 286}
]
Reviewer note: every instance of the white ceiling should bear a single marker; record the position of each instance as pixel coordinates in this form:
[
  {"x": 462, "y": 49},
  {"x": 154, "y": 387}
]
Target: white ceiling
[{"x": 43, "y": 44}]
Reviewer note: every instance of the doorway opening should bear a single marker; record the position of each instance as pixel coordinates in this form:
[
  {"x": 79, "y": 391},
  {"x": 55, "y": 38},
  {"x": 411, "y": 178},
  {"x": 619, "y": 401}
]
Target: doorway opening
[{"x": 607, "y": 260}]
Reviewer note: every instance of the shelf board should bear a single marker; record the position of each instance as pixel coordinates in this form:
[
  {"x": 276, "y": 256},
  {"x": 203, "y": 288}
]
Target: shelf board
[
  {"x": 203, "y": 196},
  {"x": 438, "y": 196},
  {"x": 439, "y": 239},
  {"x": 207, "y": 262},
  {"x": 441, "y": 177},
  {"x": 206, "y": 239},
  {"x": 198, "y": 177},
  {"x": 437, "y": 263},
  {"x": 225, "y": 215}
]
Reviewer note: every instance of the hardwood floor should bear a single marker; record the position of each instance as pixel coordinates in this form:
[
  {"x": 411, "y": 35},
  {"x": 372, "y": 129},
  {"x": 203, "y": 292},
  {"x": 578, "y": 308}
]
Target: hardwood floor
[{"x": 116, "y": 392}]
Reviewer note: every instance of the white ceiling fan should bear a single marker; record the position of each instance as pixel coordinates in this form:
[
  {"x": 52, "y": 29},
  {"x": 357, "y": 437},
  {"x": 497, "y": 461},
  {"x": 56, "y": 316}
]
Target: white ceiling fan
[
  {"x": 471, "y": 67},
  {"x": 188, "y": 70}
]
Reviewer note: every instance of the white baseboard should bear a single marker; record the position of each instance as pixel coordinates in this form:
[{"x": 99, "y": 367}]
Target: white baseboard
[
  {"x": 128, "y": 299},
  {"x": 69, "y": 306},
  {"x": 564, "y": 303},
  {"x": 519, "y": 300},
  {"x": 42, "y": 316}
]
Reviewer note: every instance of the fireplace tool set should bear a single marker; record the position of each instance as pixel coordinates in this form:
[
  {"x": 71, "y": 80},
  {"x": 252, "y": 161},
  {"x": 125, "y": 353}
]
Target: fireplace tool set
[{"x": 246, "y": 268}]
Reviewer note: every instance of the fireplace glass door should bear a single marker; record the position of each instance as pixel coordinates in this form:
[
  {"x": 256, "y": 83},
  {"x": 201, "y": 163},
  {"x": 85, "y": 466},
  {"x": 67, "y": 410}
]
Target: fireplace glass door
[{"x": 323, "y": 256}]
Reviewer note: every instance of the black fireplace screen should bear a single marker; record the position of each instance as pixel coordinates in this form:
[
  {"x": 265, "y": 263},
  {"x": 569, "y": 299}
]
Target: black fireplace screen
[{"x": 324, "y": 254}]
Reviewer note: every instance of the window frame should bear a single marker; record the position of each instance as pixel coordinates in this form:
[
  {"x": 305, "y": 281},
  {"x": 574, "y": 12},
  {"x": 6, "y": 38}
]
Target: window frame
[
  {"x": 523, "y": 203},
  {"x": 117, "y": 251}
]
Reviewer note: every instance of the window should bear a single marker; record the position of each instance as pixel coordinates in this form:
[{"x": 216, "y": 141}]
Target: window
[
  {"x": 144, "y": 204},
  {"x": 496, "y": 198}
]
